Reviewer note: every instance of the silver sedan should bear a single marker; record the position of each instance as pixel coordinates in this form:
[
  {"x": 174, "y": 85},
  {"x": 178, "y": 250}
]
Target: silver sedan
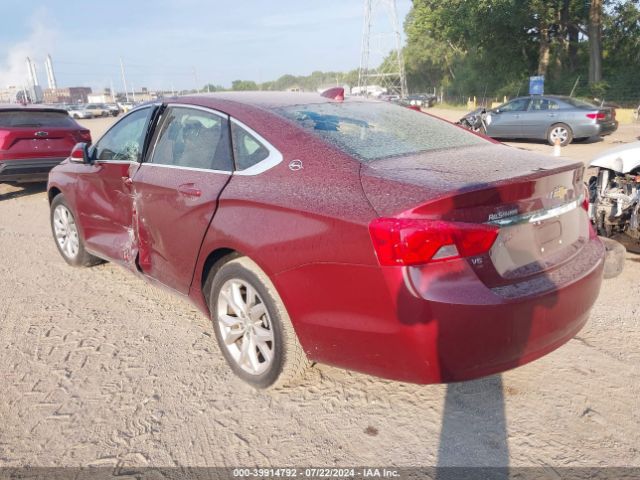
[
  {"x": 78, "y": 111},
  {"x": 551, "y": 118}
]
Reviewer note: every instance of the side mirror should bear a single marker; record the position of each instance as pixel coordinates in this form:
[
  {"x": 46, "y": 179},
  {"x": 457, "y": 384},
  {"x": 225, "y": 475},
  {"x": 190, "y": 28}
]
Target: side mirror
[{"x": 80, "y": 153}]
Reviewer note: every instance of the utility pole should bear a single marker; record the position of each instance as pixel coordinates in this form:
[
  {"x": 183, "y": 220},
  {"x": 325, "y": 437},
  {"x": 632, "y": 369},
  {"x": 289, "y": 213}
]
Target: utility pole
[
  {"x": 195, "y": 78},
  {"x": 124, "y": 80},
  {"x": 382, "y": 46}
]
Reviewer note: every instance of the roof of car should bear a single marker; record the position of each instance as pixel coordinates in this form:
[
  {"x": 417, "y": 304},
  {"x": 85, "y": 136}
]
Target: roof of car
[
  {"x": 555, "y": 97},
  {"x": 18, "y": 107},
  {"x": 264, "y": 99}
]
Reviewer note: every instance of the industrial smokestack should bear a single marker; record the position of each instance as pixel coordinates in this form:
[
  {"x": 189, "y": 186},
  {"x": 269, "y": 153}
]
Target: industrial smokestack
[
  {"x": 33, "y": 77},
  {"x": 31, "y": 74},
  {"x": 51, "y": 77}
]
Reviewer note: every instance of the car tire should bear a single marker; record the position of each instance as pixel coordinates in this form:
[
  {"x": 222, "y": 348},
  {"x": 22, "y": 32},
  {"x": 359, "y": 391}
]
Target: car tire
[
  {"x": 67, "y": 235},
  {"x": 252, "y": 326},
  {"x": 561, "y": 131}
]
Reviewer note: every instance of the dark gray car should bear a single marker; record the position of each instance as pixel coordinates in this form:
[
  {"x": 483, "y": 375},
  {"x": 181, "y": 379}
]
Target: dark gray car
[{"x": 551, "y": 118}]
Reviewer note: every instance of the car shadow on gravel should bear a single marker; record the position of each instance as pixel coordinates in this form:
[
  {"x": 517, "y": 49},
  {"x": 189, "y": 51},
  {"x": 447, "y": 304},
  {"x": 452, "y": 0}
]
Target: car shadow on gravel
[
  {"x": 474, "y": 431},
  {"x": 23, "y": 190},
  {"x": 473, "y": 437}
]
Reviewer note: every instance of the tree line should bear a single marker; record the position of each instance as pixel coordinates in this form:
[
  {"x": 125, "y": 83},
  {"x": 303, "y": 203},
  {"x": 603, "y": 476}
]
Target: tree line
[
  {"x": 590, "y": 47},
  {"x": 490, "y": 48}
]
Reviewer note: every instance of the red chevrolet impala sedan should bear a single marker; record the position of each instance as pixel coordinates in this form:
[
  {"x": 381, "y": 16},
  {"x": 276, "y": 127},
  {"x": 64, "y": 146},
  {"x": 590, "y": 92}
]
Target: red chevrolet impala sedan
[{"x": 347, "y": 231}]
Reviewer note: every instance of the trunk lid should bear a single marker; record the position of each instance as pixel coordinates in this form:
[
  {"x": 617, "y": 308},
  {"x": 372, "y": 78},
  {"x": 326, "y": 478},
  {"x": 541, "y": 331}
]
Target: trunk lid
[{"x": 534, "y": 199}]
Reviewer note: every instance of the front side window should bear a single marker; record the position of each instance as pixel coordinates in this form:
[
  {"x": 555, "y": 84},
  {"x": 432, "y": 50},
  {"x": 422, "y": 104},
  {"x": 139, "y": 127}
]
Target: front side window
[
  {"x": 193, "y": 138},
  {"x": 247, "y": 150},
  {"x": 125, "y": 140}
]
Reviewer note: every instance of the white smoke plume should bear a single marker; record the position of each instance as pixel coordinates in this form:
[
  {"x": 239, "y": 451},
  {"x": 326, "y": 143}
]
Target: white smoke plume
[{"x": 39, "y": 42}]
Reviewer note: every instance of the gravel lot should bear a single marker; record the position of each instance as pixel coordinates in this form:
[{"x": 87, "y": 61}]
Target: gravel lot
[{"x": 99, "y": 369}]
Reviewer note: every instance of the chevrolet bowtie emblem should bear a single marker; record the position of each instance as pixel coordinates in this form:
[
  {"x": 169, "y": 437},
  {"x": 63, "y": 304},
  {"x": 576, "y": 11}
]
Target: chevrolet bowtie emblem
[{"x": 559, "y": 193}]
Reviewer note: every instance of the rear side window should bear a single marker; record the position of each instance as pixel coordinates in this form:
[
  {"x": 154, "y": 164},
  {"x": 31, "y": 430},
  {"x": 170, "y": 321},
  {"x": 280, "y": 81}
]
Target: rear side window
[
  {"x": 374, "y": 130},
  {"x": 193, "y": 138},
  {"x": 26, "y": 118},
  {"x": 542, "y": 104},
  {"x": 247, "y": 150}
]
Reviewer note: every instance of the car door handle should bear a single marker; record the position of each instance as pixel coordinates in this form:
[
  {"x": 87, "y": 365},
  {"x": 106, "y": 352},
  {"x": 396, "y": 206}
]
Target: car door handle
[
  {"x": 551, "y": 114},
  {"x": 189, "y": 189}
]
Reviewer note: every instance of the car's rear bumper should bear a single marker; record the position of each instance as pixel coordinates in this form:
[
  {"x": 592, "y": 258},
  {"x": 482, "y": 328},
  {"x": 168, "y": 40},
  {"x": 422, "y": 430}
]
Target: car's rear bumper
[
  {"x": 448, "y": 327},
  {"x": 28, "y": 169},
  {"x": 595, "y": 129}
]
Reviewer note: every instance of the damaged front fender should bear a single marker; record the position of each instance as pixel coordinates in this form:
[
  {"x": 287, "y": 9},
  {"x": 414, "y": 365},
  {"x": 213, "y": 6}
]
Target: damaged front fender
[{"x": 623, "y": 159}]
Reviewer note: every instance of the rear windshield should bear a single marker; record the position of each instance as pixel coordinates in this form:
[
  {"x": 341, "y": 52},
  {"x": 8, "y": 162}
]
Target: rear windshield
[
  {"x": 26, "y": 118},
  {"x": 579, "y": 103},
  {"x": 372, "y": 131}
]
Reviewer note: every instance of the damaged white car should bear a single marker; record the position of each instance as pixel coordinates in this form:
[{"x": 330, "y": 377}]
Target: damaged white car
[{"x": 614, "y": 194}]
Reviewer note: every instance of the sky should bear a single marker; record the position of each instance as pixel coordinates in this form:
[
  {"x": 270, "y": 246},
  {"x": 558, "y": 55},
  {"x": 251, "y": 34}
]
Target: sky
[{"x": 178, "y": 44}]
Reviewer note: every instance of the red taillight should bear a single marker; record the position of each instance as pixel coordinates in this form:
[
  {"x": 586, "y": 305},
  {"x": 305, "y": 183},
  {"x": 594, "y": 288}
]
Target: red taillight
[
  {"x": 336, "y": 93},
  {"x": 84, "y": 136},
  {"x": 407, "y": 241},
  {"x": 597, "y": 116},
  {"x": 585, "y": 201}
]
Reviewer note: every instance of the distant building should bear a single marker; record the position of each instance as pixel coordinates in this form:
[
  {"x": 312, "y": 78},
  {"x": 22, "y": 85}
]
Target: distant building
[
  {"x": 100, "y": 98},
  {"x": 67, "y": 95},
  {"x": 373, "y": 90},
  {"x": 143, "y": 96},
  {"x": 14, "y": 94}
]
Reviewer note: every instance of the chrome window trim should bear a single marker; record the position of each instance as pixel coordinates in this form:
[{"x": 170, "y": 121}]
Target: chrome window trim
[
  {"x": 117, "y": 162},
  {"x": 198, "y": 107},
  {"x": 273, "y": 159},
  {"x": 194, "y": 169},
  {"x": 180, "y": 167},
  {"x": 539, "y": 215}
]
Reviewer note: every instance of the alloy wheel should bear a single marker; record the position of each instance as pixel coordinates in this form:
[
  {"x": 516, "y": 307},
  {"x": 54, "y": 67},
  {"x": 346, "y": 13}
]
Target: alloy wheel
[
  {"x": 245, "y": 326},
  {"x": 66, "y": 231},
  {"x": 559, "y": 133}
]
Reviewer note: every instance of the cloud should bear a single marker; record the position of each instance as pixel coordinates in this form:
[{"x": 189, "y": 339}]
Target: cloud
[{"x": 39, "y": 42}]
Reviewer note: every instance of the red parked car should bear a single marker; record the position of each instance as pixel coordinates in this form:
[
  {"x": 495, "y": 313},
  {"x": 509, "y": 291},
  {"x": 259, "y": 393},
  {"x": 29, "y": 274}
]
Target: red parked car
[
  {"x": 348, "y": 231},
  {"x": 34, "y": 139}
]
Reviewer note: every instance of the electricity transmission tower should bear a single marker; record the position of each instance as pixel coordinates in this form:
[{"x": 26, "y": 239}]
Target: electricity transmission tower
[{"x": 382, "y": 48}]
